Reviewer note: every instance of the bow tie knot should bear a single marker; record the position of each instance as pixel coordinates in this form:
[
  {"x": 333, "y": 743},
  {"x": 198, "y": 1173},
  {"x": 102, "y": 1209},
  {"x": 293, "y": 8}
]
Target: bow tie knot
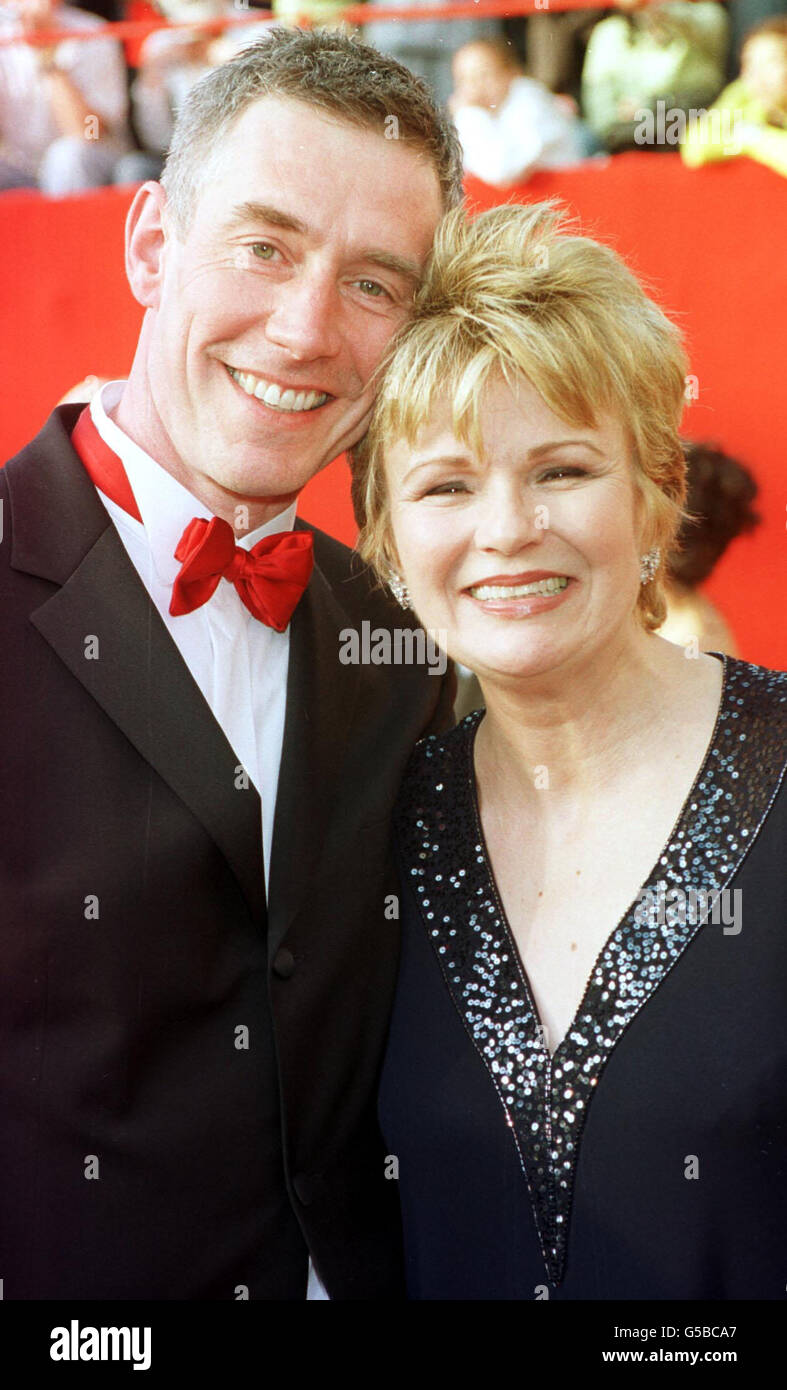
[
  {"x": 269, "y": 578},
  {"x": 238, "y": 565}
]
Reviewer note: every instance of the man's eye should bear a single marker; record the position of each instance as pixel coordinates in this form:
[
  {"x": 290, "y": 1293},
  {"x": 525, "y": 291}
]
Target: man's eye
[
  {"x": 371, "y": 288},
  {"x": 263, "y": 250}
]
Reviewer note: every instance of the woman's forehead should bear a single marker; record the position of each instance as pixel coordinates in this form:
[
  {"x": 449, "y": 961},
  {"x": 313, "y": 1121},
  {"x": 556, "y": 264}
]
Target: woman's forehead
[{"x": 502, "y": 416}]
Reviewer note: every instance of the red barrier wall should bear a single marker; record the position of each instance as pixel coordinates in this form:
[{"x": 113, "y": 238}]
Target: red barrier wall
[{"x": 710, "y": 243}]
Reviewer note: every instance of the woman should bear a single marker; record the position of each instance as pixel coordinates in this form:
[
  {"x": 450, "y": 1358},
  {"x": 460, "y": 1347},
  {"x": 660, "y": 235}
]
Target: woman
[
  {"x": 719, "y": 499},
  {"x": 586, "y": 1076}
]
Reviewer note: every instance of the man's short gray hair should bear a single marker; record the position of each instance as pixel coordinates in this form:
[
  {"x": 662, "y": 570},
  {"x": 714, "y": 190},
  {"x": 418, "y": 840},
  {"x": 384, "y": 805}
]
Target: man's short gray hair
[{"x": 339, "y": 75}]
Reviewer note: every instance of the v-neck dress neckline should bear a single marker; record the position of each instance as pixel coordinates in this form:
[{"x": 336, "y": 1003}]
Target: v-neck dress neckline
[
  {"x": 634, "y": 906},
  {"x": 546, "y": 1098}
]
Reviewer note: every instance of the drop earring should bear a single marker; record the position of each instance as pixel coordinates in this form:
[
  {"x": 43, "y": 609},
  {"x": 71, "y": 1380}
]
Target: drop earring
[
  {"x": 648, "y": 565},
  {"x": 399, "y": 589}
]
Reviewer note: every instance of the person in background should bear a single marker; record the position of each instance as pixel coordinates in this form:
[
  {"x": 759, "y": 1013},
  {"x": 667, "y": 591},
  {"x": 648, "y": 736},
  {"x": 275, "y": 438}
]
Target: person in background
[
  {"x": 63, "y": 108},
  {"x": 743, "y": 16},
  {"x": 719, "y": 508},
  {"x": 750, "y": 116},
  {"x": 673, "y": 53},
  {"x": 325, "y": 13},
  {"x": 426, "y": 47},
  {"x": 510, "y": 125},
  {"x": 170, "y": 62},
  {"x": 555, "y": 46}
]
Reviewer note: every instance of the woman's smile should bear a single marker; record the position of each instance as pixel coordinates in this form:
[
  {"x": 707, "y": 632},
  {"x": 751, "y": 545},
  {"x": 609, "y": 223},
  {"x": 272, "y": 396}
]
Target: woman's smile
[{"x": 521, "y": 595}]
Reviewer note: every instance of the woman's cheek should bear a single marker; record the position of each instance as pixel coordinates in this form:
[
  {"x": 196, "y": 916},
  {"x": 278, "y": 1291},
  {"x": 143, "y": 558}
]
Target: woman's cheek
[
  {"x": 420, "y": 539},
  {"x": 601, "y": 531}
]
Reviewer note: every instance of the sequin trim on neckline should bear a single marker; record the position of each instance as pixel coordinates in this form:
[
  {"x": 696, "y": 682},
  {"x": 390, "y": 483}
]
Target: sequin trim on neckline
[{"x": 545, "y": 1098}]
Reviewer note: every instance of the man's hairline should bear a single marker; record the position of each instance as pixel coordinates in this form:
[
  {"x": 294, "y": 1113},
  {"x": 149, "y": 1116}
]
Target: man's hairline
[{"x": 183, "y": 217}]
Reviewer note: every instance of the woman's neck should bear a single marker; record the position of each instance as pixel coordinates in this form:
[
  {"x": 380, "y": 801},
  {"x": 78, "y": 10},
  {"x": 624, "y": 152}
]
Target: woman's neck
[{"x": 577, "y": 730}]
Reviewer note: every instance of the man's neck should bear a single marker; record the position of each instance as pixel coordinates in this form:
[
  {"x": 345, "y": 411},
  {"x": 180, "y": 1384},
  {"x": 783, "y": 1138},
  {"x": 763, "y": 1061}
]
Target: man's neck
[{"x": 138, "y": 419}]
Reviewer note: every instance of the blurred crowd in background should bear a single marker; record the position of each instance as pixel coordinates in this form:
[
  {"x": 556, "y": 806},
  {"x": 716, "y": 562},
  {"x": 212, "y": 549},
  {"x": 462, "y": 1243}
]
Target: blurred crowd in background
[{"x": 542, "y": 91}]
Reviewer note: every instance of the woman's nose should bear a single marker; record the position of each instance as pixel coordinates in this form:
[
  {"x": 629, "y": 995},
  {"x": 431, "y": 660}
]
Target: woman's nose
[{"x": 509, "y": 520}]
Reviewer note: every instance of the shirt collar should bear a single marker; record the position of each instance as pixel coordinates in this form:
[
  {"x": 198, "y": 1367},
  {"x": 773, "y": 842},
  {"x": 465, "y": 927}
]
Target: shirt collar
[{"x": 165, "y": 505}]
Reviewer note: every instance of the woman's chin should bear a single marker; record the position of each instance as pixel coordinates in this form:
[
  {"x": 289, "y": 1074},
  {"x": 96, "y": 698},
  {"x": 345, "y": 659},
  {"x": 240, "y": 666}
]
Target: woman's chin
[{"x": 506, "y": 667}]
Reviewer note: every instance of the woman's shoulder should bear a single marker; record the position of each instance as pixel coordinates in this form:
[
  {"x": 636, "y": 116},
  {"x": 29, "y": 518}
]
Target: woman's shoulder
[
  {"x": 756, "y": 696},
  {"x": 747, "y": 758},
  {"x": 440, "y": 766}
]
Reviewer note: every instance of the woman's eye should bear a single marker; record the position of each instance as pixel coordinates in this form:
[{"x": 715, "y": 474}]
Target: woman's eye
[
  {"x": 563, "y": 471},
  {"x": 263, "y": 250},
  {"x": 446, "y": 489}
]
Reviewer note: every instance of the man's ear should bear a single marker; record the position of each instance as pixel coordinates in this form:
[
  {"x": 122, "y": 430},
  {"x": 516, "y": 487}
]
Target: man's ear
[{"x": 146, "y": 238}]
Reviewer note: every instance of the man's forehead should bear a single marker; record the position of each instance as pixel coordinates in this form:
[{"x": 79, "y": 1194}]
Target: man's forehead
[
  {"x": 314, "y": 173},
  {"x": 259, "y": 127}
]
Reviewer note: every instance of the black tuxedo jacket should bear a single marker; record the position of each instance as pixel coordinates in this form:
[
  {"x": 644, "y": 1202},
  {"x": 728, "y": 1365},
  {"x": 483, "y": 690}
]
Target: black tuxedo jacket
[{"x": 187, "y": 1079}]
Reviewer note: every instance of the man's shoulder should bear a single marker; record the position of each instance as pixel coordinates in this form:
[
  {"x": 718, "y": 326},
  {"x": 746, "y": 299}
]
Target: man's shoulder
[
  {"x": 51, "y": 512},
  {"x": 353, "y": 582},
  {"x": 52, "y": 442}
]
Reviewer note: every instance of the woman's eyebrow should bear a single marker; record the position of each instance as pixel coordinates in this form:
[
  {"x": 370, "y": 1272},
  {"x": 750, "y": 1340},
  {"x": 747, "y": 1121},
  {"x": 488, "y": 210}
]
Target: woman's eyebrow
[
  {"x": 450, "y": 460},
  {"x": 553, "y": 444}
]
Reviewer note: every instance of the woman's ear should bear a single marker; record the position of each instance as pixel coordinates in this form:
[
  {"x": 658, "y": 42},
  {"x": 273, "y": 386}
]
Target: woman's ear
[
  {"x": 146, "y": 238},
  {"x": 643, "y": 522}
]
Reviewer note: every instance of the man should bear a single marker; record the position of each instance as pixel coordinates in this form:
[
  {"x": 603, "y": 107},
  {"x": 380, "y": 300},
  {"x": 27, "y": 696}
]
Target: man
[
  {"x": 63, "y": 108},
  {"x": 196, "y": 990}
]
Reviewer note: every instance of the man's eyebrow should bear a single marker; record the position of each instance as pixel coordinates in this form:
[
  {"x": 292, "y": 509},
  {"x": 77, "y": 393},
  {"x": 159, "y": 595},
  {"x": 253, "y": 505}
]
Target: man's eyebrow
[
  {"x": 277, "y": 217},
  {"x": 388, "y": 261},
  {"x": 266, "y": 212}
]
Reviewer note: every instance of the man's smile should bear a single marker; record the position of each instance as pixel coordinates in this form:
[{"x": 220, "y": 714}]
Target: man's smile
[{"x": 278, "y": 398}]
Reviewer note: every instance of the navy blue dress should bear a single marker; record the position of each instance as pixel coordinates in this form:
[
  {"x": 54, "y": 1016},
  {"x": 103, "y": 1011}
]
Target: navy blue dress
[{"x": 648, "y": 1158}]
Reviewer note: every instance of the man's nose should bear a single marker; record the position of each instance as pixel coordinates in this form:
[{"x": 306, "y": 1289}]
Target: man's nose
[{"x": 305, "y": 319}]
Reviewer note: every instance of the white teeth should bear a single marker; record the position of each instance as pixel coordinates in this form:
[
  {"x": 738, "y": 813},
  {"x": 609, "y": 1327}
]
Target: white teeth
[
  {"x": 273, "y": 395},
  {"x": 552, "y": 585}
]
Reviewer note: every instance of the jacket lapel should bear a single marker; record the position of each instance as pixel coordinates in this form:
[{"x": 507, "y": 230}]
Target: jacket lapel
[
  {"x": 321, "y": 699},
  {"x": 104, "y": 627}
]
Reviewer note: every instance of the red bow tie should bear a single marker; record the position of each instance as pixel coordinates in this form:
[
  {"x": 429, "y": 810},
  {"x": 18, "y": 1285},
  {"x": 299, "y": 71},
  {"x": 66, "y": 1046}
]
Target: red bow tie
[{"x": 270, "y": 577}]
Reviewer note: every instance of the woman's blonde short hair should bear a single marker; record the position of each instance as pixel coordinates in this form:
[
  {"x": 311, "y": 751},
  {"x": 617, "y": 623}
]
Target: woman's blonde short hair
[{"x": 516, "y": 293}]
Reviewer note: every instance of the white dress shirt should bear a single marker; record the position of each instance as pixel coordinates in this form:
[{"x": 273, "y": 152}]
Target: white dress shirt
[{"x": 239, "y": 663}]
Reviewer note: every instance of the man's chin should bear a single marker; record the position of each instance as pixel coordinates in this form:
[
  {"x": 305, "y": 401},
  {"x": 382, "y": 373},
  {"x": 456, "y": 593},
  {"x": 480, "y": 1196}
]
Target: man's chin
[{"x": 256, "y": 494}]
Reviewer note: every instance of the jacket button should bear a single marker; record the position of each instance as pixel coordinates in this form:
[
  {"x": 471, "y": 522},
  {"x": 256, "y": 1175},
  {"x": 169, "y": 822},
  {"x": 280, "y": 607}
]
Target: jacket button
[
  {"x": 306, "y": 1187},
  {"x": 284, "y": 963}
]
